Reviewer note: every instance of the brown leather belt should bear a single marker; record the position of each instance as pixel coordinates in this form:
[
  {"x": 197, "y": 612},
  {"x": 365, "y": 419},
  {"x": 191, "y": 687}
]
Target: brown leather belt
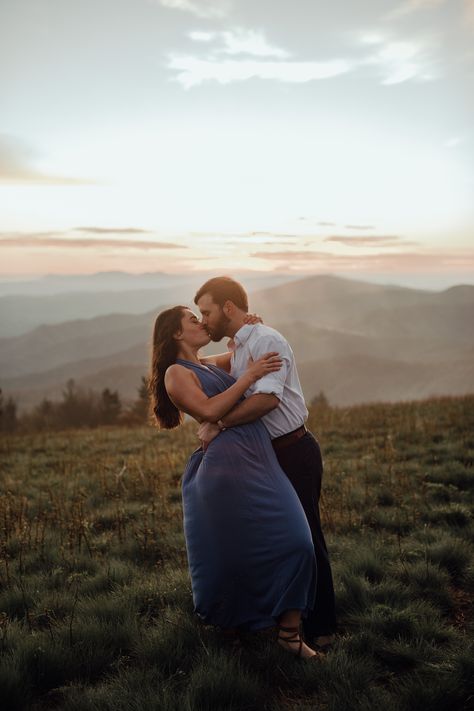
[{"x": 289, "y": 438}]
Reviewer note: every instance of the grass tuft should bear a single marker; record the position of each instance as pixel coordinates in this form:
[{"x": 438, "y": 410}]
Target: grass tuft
[
  {"x": 368, "y": 563},
  {"x": 352, "y": 594},
  {"x": 453, "y": 556},
  {"x": 221, "y": 683}
]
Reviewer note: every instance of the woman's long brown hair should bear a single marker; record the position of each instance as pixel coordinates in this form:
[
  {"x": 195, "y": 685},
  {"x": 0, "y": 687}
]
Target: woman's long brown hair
[{"x": 164, "y": 353}]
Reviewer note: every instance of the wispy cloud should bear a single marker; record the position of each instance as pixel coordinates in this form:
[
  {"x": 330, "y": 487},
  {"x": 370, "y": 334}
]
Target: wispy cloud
[
  {"x": 262, "y": 243},
  {"x": 226, "y": 242},
  {"x": 277, "y": 235},
  {"x": 194, "y": 71},
  {"x": 359, "y": 227},
  {"x": 399, "y": 61},
  {"x": 241, "y": 41},
  {"x": 112, "y": 230},
  {"x": 255, "y": 58},
  {"x": 408, "y": 7},
  {"x": 50, "y": 240},
  {"x": 409, "y": 261},
  {"x": 291, "y": 255},
  {"x": 201, "y": 8},
  {"x": 17, "y": 166},
  {"x": 262, "y": 237},
  {"x": 242, "y": 54},
  {"x": 370, "y": 241}
]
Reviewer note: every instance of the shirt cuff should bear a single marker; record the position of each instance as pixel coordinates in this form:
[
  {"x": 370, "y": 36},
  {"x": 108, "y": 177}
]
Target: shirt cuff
[{"x": 268, "y": 390}]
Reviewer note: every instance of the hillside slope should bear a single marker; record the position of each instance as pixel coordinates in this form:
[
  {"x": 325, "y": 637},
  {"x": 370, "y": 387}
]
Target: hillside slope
[{"x": 354, "y": 340}]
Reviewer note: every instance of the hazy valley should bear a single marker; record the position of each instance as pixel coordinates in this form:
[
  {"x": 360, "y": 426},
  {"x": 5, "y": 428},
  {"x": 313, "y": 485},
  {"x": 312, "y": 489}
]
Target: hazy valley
[{"x": 353, "y": 340}]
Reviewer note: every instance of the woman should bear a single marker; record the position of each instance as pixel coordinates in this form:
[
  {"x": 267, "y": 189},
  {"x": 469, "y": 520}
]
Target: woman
[{"x": 250, "y": 553}]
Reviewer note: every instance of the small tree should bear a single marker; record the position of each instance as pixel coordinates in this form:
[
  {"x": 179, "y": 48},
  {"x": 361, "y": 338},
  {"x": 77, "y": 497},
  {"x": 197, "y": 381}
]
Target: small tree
[
  {"x": 45, "y": 415},
  {"x": 110, "y": 407},
  {"x": 78, "y": 408},
  {"x": 141, "y": 405},
  {"x": 320, "y": 400},
  {"x": 8, "y": 414},
  {"x": 69, "y": 406}
]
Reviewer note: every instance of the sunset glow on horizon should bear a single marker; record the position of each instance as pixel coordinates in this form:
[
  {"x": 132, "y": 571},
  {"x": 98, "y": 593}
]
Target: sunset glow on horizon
[{"x": 199, "y": 135}]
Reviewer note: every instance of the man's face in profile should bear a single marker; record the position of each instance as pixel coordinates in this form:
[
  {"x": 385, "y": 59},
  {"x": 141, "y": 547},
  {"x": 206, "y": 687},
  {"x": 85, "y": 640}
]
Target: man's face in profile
[{"x": 214, "y": 319}]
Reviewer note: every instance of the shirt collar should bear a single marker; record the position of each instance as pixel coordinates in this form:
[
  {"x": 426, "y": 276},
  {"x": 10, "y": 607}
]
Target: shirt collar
[{"x": 243, "y": 334}]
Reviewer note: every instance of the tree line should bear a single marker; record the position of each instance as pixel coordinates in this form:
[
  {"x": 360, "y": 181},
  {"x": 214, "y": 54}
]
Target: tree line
[
  {"x": 76, "y": 408},
  {"x": 87, "y": 408}
]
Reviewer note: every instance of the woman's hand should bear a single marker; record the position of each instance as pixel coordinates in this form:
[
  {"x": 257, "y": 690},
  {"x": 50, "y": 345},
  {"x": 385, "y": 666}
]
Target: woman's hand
[
  {"x": 268, "y": 363},
  {"x": 252, "y": 319}
]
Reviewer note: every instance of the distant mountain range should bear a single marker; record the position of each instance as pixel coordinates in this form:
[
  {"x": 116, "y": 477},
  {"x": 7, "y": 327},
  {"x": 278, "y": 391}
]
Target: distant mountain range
[
  {"x": 56, "y": 299},
  {"x": 353, "y": 340}
]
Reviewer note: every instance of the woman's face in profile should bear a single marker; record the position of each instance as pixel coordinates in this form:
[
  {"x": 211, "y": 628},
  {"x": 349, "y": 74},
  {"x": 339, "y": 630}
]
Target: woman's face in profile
[{"x": 193, "y": 332}]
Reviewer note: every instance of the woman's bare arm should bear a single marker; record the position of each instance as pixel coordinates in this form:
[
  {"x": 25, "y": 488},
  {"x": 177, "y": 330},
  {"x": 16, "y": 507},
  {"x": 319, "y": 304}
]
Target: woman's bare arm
[{"x": 186, "y": 393}]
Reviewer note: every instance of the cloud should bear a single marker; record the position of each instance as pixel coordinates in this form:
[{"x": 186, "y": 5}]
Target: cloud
[
  {"x": 241, "y": 41},
  {"x": 359, "y": 227},
  {"x": 261, "y": 237},
  {"x": 292, "y": 255},
  {"x": 410, "y": 261},
  {"x": 243, "y": 54},
  {"x": 112, "y": 230},
  {"x": 399, "y": 61},
  {"x": 262, "y": 242},
  {"x": 408, "y": 7},
  {"x": 200, "y": 36},
  {"x": 17, "y": 166},
  {"x": 277, "y": 235},
  {"x": 194, "y": 71},
  {"x": 50, "y": 239},
  {"x": 212, "y": 9},
  {"x": 255, "y": 236},
  {"x": 370, "y": 241}
]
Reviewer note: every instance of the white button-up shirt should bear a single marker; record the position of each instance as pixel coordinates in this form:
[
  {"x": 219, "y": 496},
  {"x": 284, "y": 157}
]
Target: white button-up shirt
[{"x": 255, "y": 341}]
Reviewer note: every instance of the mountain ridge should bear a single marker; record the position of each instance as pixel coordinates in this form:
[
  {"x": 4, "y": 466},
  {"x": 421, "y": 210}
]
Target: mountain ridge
[{"x": 324, "y": 317}]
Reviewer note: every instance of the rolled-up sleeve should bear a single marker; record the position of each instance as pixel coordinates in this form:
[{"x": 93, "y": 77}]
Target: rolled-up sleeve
[{"x": 273, "y": 383}]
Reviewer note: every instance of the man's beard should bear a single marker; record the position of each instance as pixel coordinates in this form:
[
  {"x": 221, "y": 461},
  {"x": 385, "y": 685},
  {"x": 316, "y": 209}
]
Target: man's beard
[{"x": 220, "y": 329}]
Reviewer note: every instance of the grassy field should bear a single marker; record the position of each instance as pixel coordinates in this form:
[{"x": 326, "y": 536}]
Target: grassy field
[{"x": 95, "y": 599}]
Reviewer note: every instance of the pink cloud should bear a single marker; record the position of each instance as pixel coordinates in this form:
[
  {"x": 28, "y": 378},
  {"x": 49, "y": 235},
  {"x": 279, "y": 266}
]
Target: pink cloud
[
  {"x": 45, "y": 240},
  {"x": 404, "y": 261}
]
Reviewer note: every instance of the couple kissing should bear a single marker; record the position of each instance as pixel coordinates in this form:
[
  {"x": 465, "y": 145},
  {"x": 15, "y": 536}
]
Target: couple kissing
[{"x": 256, "y": 551}]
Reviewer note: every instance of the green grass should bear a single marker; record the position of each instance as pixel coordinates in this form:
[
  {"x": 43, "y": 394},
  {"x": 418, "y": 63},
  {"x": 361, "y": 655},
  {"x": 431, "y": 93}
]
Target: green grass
[{"x": 95, "y": 599}]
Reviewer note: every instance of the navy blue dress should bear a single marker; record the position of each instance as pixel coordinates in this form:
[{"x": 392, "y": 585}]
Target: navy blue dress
[{"x": 249, "y": 545}]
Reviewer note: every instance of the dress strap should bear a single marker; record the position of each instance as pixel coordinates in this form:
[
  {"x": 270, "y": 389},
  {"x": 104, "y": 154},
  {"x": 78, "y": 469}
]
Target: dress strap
[
  {"x": 194, "y": 365},
  {"x": 210, "y": 369}
]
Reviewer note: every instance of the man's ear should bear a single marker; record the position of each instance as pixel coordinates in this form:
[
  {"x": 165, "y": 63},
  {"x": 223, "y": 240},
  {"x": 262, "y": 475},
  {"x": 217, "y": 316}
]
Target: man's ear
[{"x": 228, "y": 308}]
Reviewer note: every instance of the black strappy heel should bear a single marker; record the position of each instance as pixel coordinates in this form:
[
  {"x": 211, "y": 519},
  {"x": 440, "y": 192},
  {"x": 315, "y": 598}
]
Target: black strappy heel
[{"x": 294, "y": 638}]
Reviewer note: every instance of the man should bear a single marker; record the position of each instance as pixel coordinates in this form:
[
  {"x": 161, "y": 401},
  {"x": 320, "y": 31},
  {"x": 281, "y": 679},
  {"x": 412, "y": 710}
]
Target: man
[{"x": 277, "y": 398}]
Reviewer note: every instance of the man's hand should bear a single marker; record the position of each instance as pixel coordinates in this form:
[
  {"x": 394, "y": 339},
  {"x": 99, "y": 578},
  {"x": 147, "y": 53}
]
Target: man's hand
[{"x": 207, "y": 432}]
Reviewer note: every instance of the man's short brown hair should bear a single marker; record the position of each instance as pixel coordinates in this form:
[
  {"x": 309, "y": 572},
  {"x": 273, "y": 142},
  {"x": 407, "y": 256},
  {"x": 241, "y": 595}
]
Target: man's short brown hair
[{"x": 224, "y": 289}]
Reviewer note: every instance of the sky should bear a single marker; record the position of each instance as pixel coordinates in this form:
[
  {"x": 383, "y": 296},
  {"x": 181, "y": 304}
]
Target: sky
[{"x": 293, "y": 136}]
